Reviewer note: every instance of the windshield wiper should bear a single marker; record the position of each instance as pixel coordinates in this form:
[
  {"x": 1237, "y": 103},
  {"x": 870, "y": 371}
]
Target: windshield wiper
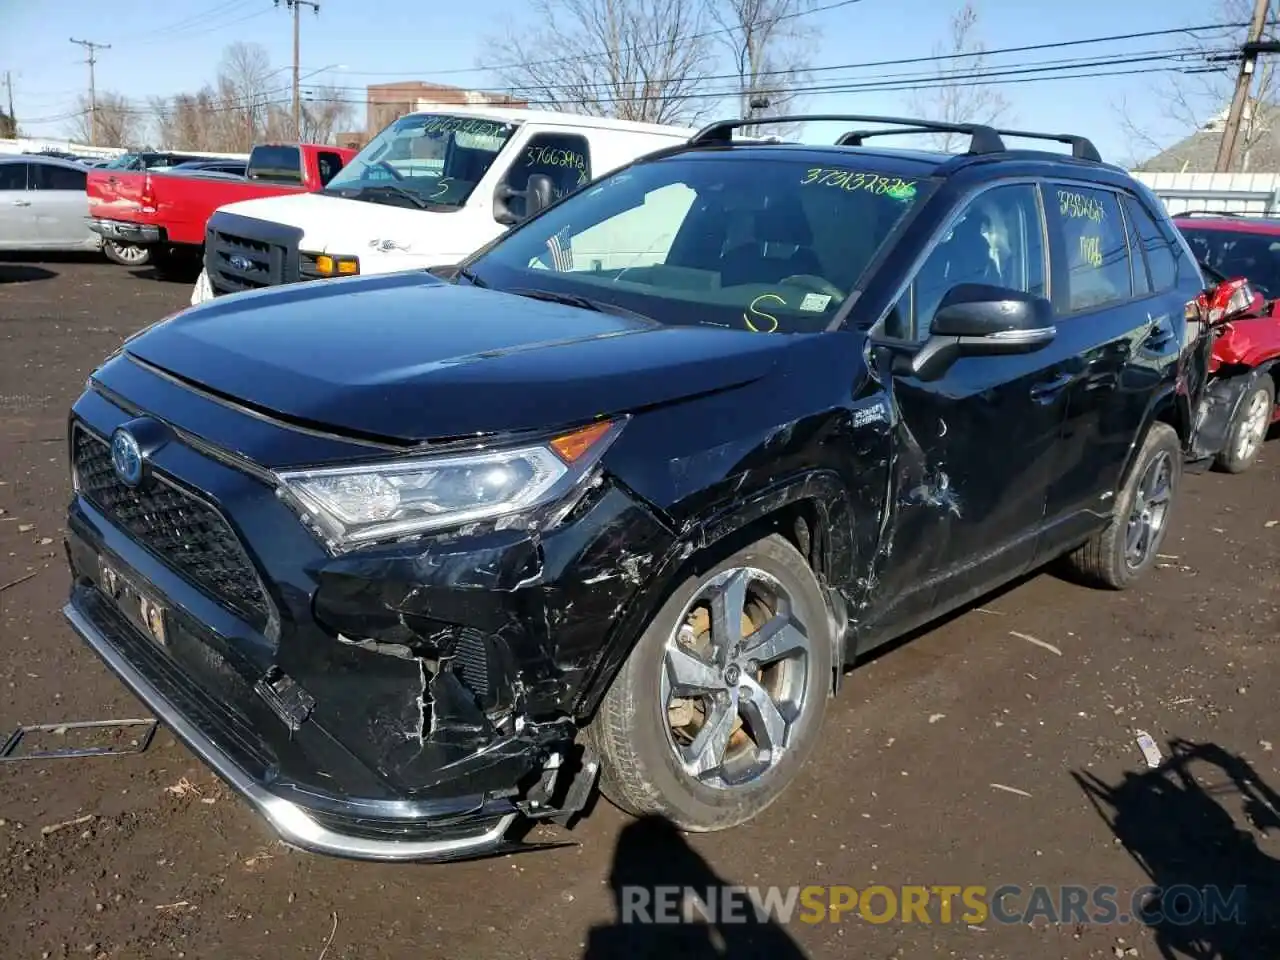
[
  {"x": 469, "y": 275},
  {"x": 386, "y": 189},
  {"x": 584, "y": 303}
]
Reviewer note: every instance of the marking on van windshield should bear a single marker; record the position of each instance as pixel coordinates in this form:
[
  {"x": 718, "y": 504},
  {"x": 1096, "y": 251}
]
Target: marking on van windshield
[
  {"x": 757, "y": 312},
  {"x": 853, "y": 181},
  {"x": 468, "y": 125},
  {"x": 1078, "y": 206},
  {"x": 1091, "y": 250}
]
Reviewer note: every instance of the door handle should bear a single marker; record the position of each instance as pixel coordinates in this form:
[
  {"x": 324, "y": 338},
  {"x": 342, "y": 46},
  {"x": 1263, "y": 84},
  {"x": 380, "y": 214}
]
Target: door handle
[
  {"x": 1047, "y": 390},
  {"x": 22, "y": 203}
]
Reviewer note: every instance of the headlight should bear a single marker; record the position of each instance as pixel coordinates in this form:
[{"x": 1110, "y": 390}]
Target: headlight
[
  {"x": 329, "y": 265},
  {"x": 379, "y": 501}
]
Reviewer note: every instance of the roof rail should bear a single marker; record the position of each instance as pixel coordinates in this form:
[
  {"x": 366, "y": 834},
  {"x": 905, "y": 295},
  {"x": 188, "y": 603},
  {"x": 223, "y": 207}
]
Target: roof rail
[
  {"x": 1081, "y": 147},
  {"x": 983, "y": 138}
]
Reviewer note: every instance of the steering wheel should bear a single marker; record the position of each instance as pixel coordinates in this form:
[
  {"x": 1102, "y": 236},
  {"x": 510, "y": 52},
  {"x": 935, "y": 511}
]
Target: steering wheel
[
  {"x": 396, "y": 174},
  {"x": 814, "y": 283}
]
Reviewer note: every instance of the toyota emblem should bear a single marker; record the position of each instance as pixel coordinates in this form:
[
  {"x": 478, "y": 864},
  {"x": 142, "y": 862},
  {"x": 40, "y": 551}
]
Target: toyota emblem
[{"x": 126, "y": 457}]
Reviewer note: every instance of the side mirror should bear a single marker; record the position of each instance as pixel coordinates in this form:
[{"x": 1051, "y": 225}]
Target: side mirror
[
  {"x": 975, "y": 319},
  {"x": 538, "y": 194}
]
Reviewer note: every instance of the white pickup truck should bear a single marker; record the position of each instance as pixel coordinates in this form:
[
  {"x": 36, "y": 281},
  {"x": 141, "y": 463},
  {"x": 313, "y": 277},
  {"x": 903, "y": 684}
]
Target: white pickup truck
[{"x": 427, "y": 191}]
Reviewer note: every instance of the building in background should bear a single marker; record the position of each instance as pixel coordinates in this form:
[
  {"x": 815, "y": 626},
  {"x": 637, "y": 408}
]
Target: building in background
[{"x": 387, "y": 101}]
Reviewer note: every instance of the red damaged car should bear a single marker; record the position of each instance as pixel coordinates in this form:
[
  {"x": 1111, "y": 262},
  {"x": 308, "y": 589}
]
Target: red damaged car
[{"x": 1239, "y": 404}]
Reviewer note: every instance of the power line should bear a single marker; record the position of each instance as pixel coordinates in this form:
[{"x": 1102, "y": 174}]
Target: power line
[
  {"x": 93, "y": 49},
  {"x": 584, "y": 58}
]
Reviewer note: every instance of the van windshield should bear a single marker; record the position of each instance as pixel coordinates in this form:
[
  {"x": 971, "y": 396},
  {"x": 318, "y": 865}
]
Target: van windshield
[
  {"x": 423, "y": 160},
  {"x": 773, "y": 245}
]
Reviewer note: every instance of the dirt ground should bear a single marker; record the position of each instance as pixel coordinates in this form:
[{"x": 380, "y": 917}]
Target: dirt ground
[{"x": 1041, "y": 690}]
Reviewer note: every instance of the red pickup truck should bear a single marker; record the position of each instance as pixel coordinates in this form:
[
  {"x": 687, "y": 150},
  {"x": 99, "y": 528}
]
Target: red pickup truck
[{"x": 155, "y": 217}]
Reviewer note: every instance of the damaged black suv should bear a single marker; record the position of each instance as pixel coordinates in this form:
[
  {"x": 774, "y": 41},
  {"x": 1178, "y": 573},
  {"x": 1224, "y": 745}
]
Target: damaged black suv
[{"x": 405, "y": 558}]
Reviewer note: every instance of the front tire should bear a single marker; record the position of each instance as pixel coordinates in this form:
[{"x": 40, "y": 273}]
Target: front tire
[
  {"x": 723, "y": 696},
  {"x": 1126, "y": 548},
  {"x": 126, "y": 254},
  {"x": 1248, "y": 427}
]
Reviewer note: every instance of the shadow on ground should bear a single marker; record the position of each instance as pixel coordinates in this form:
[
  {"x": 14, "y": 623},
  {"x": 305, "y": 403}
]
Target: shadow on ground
[
  {"x": 1192, "y": 825},
  {"x": 652, "y": 855},
  {"x": 24, "y": 273}
]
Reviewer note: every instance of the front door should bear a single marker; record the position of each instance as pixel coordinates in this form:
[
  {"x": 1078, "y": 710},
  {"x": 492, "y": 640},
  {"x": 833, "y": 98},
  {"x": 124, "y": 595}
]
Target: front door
[{"x": 974, "y": 448}]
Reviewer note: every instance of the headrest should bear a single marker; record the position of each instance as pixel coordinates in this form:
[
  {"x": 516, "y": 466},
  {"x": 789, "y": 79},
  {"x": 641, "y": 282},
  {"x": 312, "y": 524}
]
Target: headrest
[{"x": 783, "y": 223}]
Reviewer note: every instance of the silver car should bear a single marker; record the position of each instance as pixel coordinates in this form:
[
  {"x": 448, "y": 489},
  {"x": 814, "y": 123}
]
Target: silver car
[{"x": 43, "y": 205}]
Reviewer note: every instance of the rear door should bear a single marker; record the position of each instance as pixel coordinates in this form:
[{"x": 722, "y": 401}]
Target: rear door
[
  {"x": 1125, "y": 330},
  {"x": 17, "y": 222},
  {"x": 60, "y": 204}
]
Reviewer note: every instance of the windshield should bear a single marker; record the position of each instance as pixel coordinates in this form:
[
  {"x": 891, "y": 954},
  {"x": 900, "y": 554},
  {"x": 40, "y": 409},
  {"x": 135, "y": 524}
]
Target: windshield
[
  {"x": 1239, "y": 254},
  {"x": 126, "y": 161},
  {"x": 425, "y": 160},
  {"x": 772, "y": 245}
]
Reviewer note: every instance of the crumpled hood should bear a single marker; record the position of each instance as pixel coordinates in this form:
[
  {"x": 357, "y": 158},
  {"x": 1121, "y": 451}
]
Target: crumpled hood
[{"x": 408, "y": 357}]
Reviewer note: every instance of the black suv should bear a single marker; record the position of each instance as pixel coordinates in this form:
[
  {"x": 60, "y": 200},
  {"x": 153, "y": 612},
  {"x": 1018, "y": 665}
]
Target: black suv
[{"x": 405, "y": 558}]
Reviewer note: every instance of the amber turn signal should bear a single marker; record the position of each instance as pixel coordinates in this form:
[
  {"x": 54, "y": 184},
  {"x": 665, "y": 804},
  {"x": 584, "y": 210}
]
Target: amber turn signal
[{"x": 570, "y": 447}]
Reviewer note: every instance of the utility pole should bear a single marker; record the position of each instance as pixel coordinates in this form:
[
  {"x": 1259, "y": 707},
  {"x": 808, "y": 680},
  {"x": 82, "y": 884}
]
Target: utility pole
[
  {"x": 296, "y": 6},
  {"x": 93, "y": 49},
  {"x": 8, "y": 83},
  {"x": 1244, "y": 82}
]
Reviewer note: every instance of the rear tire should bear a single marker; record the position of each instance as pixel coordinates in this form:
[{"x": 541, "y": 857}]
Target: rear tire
[
  {"x": 708, "y": 721},
  {"x": 126, "y": 254},
  {"x": 1248, "y": 427},
  {"x": 1126, "y": 548}
]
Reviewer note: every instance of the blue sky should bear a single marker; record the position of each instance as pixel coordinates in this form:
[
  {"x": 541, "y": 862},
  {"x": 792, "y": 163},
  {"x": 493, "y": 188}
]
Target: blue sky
[{"x": 163, "y": 48}]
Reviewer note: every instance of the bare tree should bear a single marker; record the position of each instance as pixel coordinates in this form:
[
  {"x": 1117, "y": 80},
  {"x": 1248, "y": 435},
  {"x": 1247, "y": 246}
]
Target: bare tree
[
  {"x": 119, "y": 122},
  {"x": 1198, "y": 95},
  {"x": 324, "y": 112},
  {"x": 954, "y": 94},
  {"x": 7, "y": 127},
  {"x": 632, "y": 59},
  {"x": 766, "y": 42}
]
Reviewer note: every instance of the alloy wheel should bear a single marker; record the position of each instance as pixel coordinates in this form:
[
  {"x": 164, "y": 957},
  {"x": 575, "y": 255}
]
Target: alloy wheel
[
  {"x": 1150, "y": 509},
  {"x": 735, "y": 679},
  {"x": 1253, "y": 428}
]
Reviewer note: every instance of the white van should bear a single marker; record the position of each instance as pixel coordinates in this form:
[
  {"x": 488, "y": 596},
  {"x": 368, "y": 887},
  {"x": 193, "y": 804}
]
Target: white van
[{"x": 428, "y": 190}]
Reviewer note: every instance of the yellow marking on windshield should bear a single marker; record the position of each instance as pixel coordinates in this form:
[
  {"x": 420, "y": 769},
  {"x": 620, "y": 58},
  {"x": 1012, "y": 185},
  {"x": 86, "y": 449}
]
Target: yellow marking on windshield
[
  {"x": 761, "y": 314},
  {"x": 1091, "y": 250},
  {"x": 854, "y": 180}
]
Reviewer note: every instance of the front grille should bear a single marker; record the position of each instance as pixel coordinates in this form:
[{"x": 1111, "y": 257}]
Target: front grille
[
  {"x": 237, "y": 263},
  {"x": 180, "y": 530}
]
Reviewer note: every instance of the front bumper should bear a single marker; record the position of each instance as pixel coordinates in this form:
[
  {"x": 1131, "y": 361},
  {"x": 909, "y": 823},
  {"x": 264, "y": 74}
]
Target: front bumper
[
  {"x": 412, "y": 833},
  {"x": 441, "y": 679},
  {"x": 125, "y": 232}
]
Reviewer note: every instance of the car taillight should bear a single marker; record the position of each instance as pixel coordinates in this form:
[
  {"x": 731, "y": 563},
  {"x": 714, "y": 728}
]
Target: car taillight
[{"x": 148, "y": 197}]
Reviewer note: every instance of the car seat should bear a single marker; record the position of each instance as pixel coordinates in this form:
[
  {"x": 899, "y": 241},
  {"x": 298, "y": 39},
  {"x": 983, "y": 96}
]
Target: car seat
[{"x": 781, "y": 247}]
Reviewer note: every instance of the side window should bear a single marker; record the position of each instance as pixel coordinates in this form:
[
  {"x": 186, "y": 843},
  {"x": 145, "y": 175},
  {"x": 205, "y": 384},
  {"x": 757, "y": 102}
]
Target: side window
[
  {"x": 564, "y": 157},
  {"x": 1162, "y": 259},
  {"x": 328, "y": 164},
  {"x": 13, "y": 176},
  {"x": 46, "y": 176},
  {"x": 998, "y": 239},
  {"x": 1094, "y": 244},
  {"x": 1137, "y": 262}
]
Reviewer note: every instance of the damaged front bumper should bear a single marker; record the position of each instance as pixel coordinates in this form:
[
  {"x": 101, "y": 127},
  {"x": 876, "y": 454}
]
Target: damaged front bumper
[
  {"x": 409, "y": 701},
  {"x": 367, "y": 829}
]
